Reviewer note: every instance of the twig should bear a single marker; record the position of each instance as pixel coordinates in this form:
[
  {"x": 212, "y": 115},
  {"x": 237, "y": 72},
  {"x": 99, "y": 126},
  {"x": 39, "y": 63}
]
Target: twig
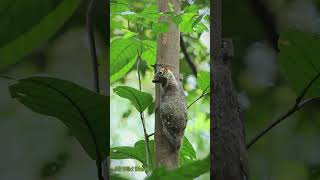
[
  {"x": 296, "y": 107},
  {"x": 146, "y": 137},
  {"x": 187, "y": 57},
  {"x": 202, "y": 95},
  {"x": 89, "y": 25},
  {"x": 150, "y": 135},
  {"x": 92, "y": 45}
]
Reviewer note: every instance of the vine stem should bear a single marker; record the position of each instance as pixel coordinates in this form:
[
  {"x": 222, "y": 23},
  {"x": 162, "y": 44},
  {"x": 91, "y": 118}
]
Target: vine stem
[
  {"x": 299, "y": 103},
  {"x": 146, "y": 137},
  {"x": 89, "y": 25}
]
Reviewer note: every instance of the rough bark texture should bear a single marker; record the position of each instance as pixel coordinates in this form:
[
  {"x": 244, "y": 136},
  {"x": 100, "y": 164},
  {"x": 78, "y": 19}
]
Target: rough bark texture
[
  {"x": 228, "y": 150},
  {"x": 168, "y": 51}
]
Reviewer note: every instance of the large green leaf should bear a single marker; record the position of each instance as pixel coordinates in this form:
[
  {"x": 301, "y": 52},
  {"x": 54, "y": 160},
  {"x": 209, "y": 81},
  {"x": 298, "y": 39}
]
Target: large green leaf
[
  {"x": 300, "y": 59},
  {"x": 188, "y": 171},
  {"x": 81, "y": 110},
  {"x": 27, "y": 25},
  {"x": 138, "y": 152},
  {"x": 123, "y": 55},
  {"x": 139, "y": 99}
]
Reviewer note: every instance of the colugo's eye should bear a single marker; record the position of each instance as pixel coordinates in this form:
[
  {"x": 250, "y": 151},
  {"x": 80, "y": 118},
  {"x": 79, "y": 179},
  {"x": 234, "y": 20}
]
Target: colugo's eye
[{"x": 160, "y": 73}]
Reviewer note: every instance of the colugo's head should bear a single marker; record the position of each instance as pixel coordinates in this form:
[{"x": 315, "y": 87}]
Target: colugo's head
[{"x": 162, "y": 76}]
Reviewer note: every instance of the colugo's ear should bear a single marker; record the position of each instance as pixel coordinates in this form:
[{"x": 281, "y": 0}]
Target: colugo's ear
[{"x": 165, "y": 69}]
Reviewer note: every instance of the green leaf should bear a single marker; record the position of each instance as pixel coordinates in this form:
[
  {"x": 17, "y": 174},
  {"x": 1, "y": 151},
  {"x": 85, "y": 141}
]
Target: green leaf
[
  {"x": 196, "y": 21},
  {"x": 119, "y": 6},
  {"x": 188, "y": 171},
  {"x": 151, "y": 108},
  {"x": 138, "y": 152},
  {"x": 203, "y": 80},
  {"x": 200, "y": 27},
  {"x": 160, "y": 27},
  {"x": 81, "y": 110},
  {"x": 117, "y": 177},
  {"x": 187, "y": 21},
  {"x": 192, "y": 8},
  {"x": 299, "y": 57},
  {"x": 129, "y": 35},
  {"x": 123, "y": 55},
  {"x": 150, "y": 13},
  {"x": 30, "y": 32},
  {"x": 149, "y": 52},
  {"x": 114, "y": 24},
  {"x": 176, "y": 19},
  {"x": 187, "y": 153},
  {"x": 139, "y": 99}
]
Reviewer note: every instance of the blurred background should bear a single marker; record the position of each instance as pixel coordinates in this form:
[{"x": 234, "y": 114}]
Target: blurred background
[
  {"x": 34, "y": 146},
  {"x": 291, "y": 150},
  {"x": 39, "y": 147}
]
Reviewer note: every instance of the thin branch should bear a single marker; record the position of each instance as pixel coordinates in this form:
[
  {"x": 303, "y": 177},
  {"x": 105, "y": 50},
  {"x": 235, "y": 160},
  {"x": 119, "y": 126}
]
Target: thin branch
[
  {"x": 202, "y": 95},
  {"x": 296, "y": 107},
  {"x": 150, "y": 135},
  {"x": 146, "y": 137},
  {"x": 89, "y": 25},
  {"x": 95, "y": 64},
  {"x": 187, "y": 57}
]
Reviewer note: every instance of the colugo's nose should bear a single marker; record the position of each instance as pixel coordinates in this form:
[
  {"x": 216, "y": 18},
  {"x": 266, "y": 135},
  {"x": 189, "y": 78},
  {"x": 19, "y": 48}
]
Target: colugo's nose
[{"x": 155, "y": 79}]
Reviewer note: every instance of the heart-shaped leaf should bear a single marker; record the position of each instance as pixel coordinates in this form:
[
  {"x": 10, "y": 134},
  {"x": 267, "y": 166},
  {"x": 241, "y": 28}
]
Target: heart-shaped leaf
[
  {"x": 139, "y": 99},
  {"x": 137, "y": 152},
  {"x": 81, "y": 110}
]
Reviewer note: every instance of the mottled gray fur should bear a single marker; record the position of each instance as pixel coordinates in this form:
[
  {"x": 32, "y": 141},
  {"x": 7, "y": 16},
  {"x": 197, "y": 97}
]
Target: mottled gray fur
[{"x": 173, "y": 110}]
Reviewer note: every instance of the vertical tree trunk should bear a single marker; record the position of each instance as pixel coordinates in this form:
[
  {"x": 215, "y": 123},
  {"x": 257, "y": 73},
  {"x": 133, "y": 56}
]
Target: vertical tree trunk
[
  {"x": 228, "y": 149},
  {"x": 168, "y": 50}
]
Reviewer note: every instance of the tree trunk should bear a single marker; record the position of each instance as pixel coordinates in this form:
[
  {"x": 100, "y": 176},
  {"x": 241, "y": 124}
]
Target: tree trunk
[
  {"x": 168, "y": 50},
  {"x": 228, "y": 149}
]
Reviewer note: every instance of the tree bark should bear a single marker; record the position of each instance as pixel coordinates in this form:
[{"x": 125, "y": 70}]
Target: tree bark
[
  {"x": 168, "y": 50},
  {"x": 228, "y": 149}
]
